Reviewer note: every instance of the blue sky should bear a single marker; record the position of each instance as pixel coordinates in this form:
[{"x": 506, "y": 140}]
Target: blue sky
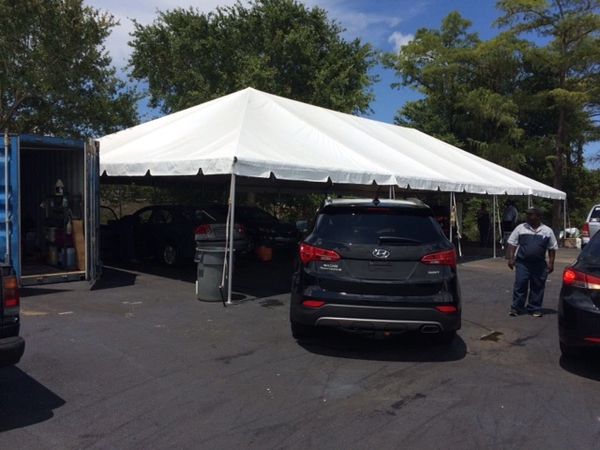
[{"x": 383, "y": 23}]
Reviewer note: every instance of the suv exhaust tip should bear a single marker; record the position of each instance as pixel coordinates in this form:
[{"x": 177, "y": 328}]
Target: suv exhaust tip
[{"x": 430, "y": 329}]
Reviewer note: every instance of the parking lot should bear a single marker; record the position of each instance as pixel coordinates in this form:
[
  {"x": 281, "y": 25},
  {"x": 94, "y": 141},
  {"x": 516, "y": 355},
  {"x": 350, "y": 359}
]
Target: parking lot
[{"x": 139, "y": 363}]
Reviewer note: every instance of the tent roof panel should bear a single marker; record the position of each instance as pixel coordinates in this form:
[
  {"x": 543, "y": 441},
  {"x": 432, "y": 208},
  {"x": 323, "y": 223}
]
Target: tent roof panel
[{"x": 255, "y": 134}]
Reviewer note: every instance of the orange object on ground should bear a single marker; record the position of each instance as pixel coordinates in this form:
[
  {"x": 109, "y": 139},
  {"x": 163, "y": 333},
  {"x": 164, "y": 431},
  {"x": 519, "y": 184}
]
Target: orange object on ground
[{"x": 264, "y": 253}]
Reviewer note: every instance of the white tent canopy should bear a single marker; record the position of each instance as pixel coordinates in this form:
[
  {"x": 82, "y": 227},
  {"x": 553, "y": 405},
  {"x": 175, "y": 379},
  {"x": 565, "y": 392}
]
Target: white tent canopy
[{"x": 254, "y": 134}]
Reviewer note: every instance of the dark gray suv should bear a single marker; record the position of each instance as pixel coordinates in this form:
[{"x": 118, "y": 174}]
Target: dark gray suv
[{"x": 376, "y": 266}]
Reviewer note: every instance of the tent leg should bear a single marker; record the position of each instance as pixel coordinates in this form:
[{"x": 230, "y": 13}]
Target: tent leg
[
  {"x": 530, "y": 201},
  {"x": 494, "y": 207},
  {"x": 231, "y": 233},
  {"x": 450, "y": 218},
  {"x": 565, "y": 218},
  {"x": 390, "y": 196},
  {"x": 458, "y": 225}
]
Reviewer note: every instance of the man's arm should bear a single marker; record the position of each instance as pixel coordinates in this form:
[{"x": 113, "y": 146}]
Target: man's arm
[
  {"x": 552, "y": 247},
  {"x": 551, "y": 256},
  {"x": 510, "y": 255},
  {"x": 513, "y": 242}
]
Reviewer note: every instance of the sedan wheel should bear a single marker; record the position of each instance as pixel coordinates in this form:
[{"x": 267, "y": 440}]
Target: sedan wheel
[{"x": 169, "y": 255}]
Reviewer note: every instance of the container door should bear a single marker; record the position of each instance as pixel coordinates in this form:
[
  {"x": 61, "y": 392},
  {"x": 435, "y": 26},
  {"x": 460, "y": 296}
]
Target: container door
[
  {"x": 92, "y": 208},
  {"x": 10, "y": 233}
]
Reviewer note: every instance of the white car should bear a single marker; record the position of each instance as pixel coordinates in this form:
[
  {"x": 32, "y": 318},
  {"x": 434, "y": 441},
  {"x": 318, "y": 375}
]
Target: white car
[{"x": 591, "y": 225}]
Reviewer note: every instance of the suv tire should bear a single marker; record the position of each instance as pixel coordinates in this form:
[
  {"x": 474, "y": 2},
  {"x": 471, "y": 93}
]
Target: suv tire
[
  {"x": 301, "y": 331},
  {"x": 570, "y": 352}
]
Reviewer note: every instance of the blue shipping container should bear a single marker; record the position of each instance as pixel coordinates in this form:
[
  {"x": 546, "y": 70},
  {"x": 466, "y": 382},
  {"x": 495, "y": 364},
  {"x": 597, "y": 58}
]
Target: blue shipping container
[{"x": 38, "y": 227}]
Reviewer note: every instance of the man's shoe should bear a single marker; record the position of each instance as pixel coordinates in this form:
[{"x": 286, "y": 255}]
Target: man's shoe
[
  {"x": 513, "y": 312},
  {"x": 537, "y": 314}
]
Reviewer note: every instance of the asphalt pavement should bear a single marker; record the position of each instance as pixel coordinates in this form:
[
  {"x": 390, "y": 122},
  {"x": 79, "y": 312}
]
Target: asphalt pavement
[{"x": 139, "y": 363}]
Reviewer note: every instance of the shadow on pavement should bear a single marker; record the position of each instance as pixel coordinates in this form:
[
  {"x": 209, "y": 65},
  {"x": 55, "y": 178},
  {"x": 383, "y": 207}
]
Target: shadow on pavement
[
  {"x": 24, "y": 401},
  {"x": 34, "y": 291},
  {"x": 251, "y": 277},
  {"x": 588, "y": 366},
  {"x": 409, "y": 347},
  {"x": 114, "y": 278}
]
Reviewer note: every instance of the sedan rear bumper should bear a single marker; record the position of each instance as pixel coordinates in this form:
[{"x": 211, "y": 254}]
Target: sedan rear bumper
[{"x": 578, "y": 321}]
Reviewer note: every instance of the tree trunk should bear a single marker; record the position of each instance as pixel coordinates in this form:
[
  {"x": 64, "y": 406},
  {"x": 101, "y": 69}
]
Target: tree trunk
[{"x": 558, "y": 170}]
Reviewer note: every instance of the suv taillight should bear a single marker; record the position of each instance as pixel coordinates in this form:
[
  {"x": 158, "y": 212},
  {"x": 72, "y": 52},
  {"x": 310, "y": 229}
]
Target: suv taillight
[
  {"x": 585, "y": 231},
  {"x": 10, "y": 294},
  {"x": 444, "y": 258},
  {"x": 309, "y": 253},
  {"x": 575, "y": 278}
]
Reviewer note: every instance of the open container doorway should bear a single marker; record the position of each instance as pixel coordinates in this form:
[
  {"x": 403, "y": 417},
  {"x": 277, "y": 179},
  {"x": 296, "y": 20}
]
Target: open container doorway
[{"x": 52, "y": 209}]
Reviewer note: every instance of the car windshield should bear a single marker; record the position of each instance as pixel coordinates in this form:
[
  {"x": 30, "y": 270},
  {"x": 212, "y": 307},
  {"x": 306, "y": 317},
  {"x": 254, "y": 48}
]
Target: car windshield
[
  {"x": 107, "y": 215},
  {"x": 205, "y": 215},
  {"x": 392, "y": 227}
]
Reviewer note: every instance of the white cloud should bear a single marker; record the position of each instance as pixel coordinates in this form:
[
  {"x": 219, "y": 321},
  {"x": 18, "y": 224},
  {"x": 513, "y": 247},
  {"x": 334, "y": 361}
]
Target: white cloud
[
  {"x": 144, "y": 12},
  {"x": 398, "y": 40},
  {"x": 373, "y": 27}
]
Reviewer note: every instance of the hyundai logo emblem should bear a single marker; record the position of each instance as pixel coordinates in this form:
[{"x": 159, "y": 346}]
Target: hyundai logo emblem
[{"x": 381, "y": 253}]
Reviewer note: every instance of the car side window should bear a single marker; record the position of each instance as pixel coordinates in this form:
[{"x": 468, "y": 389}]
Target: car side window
[
  {"x": 162, "y": 216},
  {"x": 144, "y": 216}
]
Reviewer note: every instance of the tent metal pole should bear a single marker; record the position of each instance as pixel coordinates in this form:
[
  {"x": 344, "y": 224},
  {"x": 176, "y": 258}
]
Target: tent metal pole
[
  {"x": 565, "y": 218},
  {"x": 494, "y": 206},
  {"x": 390, "y": 192},
  {"x": 458, "y": 225},
  {"x": 530, "y": 201},
  {"x": 450, "y": 218},
  {"x": 231, "y": 233}
]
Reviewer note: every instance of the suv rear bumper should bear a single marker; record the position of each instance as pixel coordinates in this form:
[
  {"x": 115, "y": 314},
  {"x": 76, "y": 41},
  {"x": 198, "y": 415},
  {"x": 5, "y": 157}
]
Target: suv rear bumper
[
  {"x": 11, "y": 350},
  {"x": 377, "y": 318}
]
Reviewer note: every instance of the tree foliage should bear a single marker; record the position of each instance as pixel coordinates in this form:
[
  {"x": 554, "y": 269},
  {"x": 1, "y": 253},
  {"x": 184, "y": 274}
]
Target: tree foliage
[
  {"x": 279, "y": 46},
  {"x": 55, "y": 75},
  {"x": 528, "y": 105}
]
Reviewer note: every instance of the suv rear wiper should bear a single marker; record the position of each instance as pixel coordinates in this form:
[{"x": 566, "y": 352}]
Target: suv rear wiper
[{"x": 397, "y": 240}]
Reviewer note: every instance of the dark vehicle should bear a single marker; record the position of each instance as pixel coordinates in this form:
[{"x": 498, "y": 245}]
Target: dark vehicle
[
  {"x": 170, "y": 233},
  {"x": 263, "y": 228},
  {"x": 12, "y": 345},
  {"x": 579, "y": 302},
  {"x": 109, "y": 233},
  {"x": 376, "y": 266}
]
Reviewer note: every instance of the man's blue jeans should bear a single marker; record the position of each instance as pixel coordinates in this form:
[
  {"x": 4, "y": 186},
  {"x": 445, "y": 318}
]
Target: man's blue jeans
[{"x": 529, "y": 276}]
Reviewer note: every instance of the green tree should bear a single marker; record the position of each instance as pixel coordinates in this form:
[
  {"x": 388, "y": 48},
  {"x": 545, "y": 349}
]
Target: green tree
[
  {"x": 564, "y": 74},
  {"x": 279, "y": 46},
  {"x": 55, "y": 75},
  {"x": 468, "y": 87}
]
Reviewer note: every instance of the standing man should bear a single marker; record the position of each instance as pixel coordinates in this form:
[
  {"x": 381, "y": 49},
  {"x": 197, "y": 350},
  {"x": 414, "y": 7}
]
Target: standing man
[
  {"x": 530, "y": 241},
  {"x": 509, "y": 217},
  {"x": 483, "y": 223}
]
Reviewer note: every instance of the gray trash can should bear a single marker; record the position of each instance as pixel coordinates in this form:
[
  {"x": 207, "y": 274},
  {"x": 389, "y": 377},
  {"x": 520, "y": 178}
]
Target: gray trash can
[{"x": 209, "y": 262}]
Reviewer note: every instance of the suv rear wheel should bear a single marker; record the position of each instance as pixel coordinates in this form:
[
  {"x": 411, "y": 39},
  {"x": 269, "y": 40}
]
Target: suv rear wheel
[
  {"x": 570, "y": 352},
  {"x": 301, "y": 331}
]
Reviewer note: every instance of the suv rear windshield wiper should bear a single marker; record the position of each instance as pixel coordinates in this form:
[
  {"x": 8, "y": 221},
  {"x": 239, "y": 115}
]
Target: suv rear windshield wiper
[{"x": 398, "y": 240}]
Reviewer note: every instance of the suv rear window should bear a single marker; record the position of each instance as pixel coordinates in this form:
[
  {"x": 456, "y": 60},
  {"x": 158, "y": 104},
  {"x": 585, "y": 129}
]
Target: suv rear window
[{"x": 364, "y": 226}]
